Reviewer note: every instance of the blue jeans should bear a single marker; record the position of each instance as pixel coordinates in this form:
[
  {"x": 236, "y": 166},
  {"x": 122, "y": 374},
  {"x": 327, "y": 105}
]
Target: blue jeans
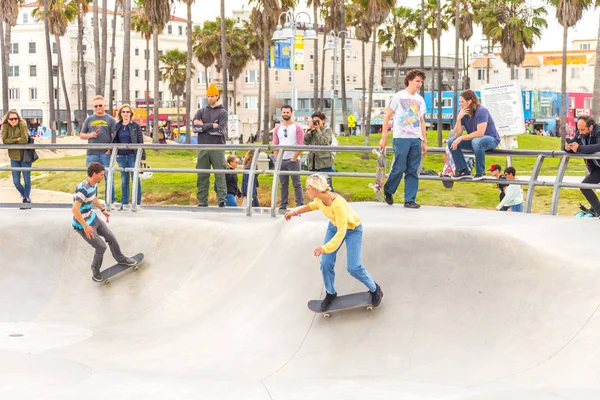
[
  {"x": 325, "y": 170},
  {"x": 516, "y": 208},
  {"x": 353, "y": 241},
  {"x": 407, "y": 158},
  {"x": 478, "y": 146},
  {"x": 103, "y": 159},
  {"x": 230, "y": 201},
  {"x": 128, "y": 161},
  {"x": 24, "y": 191}
]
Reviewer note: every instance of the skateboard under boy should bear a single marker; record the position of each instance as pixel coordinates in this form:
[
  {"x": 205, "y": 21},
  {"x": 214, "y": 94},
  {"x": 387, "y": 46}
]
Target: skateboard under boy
[
  {"x": 118, "y": 268},
  {"x": 341, "y": 303},
  {"x": 379, "y": 173}
]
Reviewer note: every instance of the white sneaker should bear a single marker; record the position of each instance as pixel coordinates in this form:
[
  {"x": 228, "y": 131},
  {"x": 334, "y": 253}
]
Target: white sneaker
[{"x": 126, "y": 207}]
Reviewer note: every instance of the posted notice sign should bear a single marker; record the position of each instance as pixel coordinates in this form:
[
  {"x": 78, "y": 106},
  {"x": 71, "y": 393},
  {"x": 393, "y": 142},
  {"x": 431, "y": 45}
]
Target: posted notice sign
[{"x": 504, "y": 102}]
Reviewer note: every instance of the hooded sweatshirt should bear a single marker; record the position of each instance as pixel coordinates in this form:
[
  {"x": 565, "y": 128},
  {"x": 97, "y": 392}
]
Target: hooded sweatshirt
[{"x": 209, "y": 115}]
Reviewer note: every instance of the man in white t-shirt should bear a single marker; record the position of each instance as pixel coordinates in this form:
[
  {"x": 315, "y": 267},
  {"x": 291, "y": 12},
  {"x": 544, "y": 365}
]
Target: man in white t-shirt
[
  {"x": 410, "y": 138},
  {"x": 289, "y": 133}
]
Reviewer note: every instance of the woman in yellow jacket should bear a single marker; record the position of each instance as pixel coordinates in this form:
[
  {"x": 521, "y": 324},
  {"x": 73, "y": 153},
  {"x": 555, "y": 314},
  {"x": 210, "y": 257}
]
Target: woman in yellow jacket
[
  {"x": 14, "y": 131},
  {"x": 344, "y": 225}
]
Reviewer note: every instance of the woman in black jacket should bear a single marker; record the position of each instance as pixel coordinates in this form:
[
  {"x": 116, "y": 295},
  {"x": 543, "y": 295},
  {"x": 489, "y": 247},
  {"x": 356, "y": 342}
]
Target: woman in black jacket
[{"x": 128, "y": 131}]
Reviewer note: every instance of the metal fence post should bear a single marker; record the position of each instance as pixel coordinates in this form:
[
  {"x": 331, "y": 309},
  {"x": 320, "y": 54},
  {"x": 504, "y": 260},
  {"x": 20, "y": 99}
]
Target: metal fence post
[
  {"x": 278, "y": 163},
  {"x": 136, "y": 179},
  {"x": 532, "y": 179},
  {"x": 111, "y": 178},
  {"x": 564, "y": 161},
  {"x": 250, "y": 187}
]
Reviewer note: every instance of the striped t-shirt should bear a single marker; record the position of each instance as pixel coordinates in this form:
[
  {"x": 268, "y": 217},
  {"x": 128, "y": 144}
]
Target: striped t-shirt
[{"x": 85, "y": 195}]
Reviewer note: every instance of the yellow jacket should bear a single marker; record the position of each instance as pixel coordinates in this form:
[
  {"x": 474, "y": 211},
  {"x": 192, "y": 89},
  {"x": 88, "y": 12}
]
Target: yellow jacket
[{"x": 341, "y": 216}]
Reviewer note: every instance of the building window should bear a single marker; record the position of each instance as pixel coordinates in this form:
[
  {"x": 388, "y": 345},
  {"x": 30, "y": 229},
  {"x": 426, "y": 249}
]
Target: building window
[
  {"x": 588, "y": 103},
  {"x": 276, "y": 76},
  {"x": 250, "y": 102},
  {"x": 137, "y": 94},
  {"x": 160, "y": 96},
  {"x": 32, "y": 94},
  {"x": 481, "y": 74},
  {"x": 251, "y": 76},
  {"x": 114, "y": 95},
  {"x": 33, "y": 71},
  {"x": 528, "y": 73},
  {"x": 55, "y": 70},
  {"x": 14, "y": 48},
  {"x": 180, "y": 28},
  {"x": 25, "y": 18},
  {"x": 446, "y": 103},
  {"x": 389, "y": 73},
  {"x": 584, "y": 46},
  {"x": 355, "y": 55},
  {"x": 54, "y": 48},
  {"x": 312, "y": 55},
  {"x": 169, "y": 29},
  {"x": 160, "y": 52},
  {"x": 571, "y": 102},
  {"x": 137, "y": 73},
  {"x": 354, "y": 78},
  {"x": 290, "y": 77},
  {"x": 55, "y": 94},
  {"x": 331, "y": 79},
  {"x": 114, "y": 75},
  {"x": 574, "y": 72},
  {"x": 347, "y": 78},
  {"x": 31, "y": 47},
  {"x": 312, "y": 78},
  {"x": 229, "y": 78},
  {"x": 137, "y": 52},
  {"x": 378, "y": 103},
  {"x": 13, "y": 71},
  {"x": 14, "y": 94},
  {"x": 496, "y": 71}
]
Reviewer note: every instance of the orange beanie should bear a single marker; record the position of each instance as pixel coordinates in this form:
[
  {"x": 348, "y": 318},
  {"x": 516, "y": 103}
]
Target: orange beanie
[{"x": 212, "y": 90}]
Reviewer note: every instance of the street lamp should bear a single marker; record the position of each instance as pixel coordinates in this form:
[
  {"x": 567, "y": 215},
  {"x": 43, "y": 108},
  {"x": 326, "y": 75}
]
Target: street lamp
[
  {"x": 485, "y": 52},
  {"x": 331, "y": 44},
  {"x": 289, "y": 32}
]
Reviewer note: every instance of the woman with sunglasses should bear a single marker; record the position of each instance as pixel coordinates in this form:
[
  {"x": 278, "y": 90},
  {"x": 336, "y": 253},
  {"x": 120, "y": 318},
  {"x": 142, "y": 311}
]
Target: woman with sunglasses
[
  {"x": 128, "y": 131},
  {"x": 14, "y": 131},
  {"x": 319, "y": 135}
]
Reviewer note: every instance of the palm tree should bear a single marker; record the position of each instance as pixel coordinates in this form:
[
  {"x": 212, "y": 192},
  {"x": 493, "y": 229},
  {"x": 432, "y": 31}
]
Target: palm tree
[
  {"x": 316, "y": 4},
  {"x": 400, "y": 34},
  {"x": 9, "y": 11},
  {"x": 596, "y": 104},
  {"x": 174, "y": 72},
  {"x": 343, "y": 66},
  {"x": 82, "y": 8},
  {"x": 51, "y": 121},
  {"x": 203, "y": 38},
  {"x": 60, "y": 14},
  {"x": 465, "y": 26},
  {"x": 111, "y": 98},
  {"x": 140, "y": 24},
  {"x": 224, "y": 58},
  {"x": 97, "y": 57},
  {"x": 103, "y": 52},
  {"x": 255, "y": 44},
  {"x": 158, "y": 13},
  {"x": 188, "y": 72},
  {"x": 568, "y": 13},
  {"x": 422, "y": 37},
  {"x": 126, "y": 4},
  {"x": 332, "y": 21}
]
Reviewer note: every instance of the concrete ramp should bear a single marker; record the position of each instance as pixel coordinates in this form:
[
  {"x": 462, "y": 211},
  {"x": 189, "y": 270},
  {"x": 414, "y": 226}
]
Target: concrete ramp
[{"x": 478, "y": 305}]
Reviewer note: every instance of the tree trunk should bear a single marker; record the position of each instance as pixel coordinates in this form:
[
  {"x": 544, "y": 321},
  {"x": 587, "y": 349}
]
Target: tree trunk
[
  {"x": 266, "y": 119},
  {"x": 51, "y": 121},
  {"x": 224, "y": 59},
  {"x": 104, "y": 52},
  {"x": 563, "y": 90},
  {"x": 79, "y": 56},
  {"x": 125, "y": 78},
  {"x": 65, "y": 89},
  {"x": 97, "y": 58},
  {"x": 487, "y": 62},
  {"x": 343, "y": 41},
  {"x": 147, "y": 76},
  {"x": 371, "y": 81},
  {"x": 465, "y": 69},
  {"x": 422, "y": 61},
  {"x": 261, "y": 65},
  {"x": 83, "y": 88},
  {"x": 432, "y": 83},
  {"x": 596, "y": 103},
  {"x": 3, "y": 50},
  {"x": 322, "y": 88},
  {"x": 234, "y": 96},
  {"x": 111, "y": 79},
  {"x": 178, "y": 122},
  {"x": 397, "y": 75},
  {"x": 364, "y": 94},
  {"x": 188, "y": 76},
  {"x": 456, "y": 52},
  {"x": 316, "y": 100},
  {"x": 206, "y": 76},
  {"x": 439, "y": 72},
  {"x": 156, "y": 82}
]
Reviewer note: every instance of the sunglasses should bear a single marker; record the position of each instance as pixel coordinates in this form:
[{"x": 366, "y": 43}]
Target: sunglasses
[
  {"x": 284, "y": 132},
  {"x": 125, "y": 112},
  {"x": 98, "y": 105},
  {"x": 13, "y": 119}
]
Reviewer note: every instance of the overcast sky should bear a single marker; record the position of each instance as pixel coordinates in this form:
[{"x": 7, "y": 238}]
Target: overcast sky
[{"x": 587, "y": 28}]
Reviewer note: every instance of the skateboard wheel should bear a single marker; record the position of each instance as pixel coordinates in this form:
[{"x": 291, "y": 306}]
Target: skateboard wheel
[
  {"x": 135, "y": 268},
  {"x": 369, "y": 308},
  {"x": 107, "y": 281},
  {"x": 326, "y": 315},
  {"x": 374, "y": 151}
]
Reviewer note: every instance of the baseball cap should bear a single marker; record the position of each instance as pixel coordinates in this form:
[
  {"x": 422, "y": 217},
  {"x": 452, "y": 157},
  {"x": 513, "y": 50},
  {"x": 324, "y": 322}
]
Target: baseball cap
[{"x": 495, "y": 167}]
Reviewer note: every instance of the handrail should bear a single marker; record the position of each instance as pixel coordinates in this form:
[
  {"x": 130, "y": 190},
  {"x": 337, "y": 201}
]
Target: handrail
[{"x": 532, "y": 183}]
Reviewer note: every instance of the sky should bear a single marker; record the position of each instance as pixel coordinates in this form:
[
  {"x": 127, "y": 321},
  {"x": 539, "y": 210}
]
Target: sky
[{"x": 587, "y": 28}]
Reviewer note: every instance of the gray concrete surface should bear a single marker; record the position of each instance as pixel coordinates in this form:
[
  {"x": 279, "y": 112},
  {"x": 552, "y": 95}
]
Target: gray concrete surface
[{"x": 479, "y": 305}]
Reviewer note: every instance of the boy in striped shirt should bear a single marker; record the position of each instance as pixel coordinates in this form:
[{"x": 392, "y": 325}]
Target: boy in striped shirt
[{"x": 89, "y": 226}]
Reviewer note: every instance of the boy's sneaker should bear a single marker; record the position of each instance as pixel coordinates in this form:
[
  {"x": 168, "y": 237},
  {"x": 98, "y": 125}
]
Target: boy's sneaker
[
  {"x": 96, "y": 275},
  {"x": 462, "y": 174},
  {"x": 377, "y": 295},
  {"x": 478, "y": 177},
  {"x": 327, "y": 301},
  {"x": 388, "y": 198},
  {"x": 128, "y": 261},
  {"x": 411, "y": 204}
]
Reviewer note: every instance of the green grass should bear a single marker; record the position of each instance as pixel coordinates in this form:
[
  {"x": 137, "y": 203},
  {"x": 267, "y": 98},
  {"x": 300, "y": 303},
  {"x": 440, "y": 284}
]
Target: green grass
[{"x": 180, "y": 189}]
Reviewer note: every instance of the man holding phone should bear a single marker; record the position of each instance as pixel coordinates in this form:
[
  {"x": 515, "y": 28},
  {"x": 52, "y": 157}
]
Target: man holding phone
[{"x": 319, "y": 135}]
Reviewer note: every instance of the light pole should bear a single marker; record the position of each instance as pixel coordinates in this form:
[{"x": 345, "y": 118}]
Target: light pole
[
  {"x": 332, "y": 42},
  {"x": 289, "y": 32}
]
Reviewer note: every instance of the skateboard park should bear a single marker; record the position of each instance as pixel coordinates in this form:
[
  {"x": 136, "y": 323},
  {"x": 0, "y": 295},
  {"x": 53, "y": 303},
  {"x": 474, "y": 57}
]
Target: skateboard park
[{"x": 478, "y": 305}]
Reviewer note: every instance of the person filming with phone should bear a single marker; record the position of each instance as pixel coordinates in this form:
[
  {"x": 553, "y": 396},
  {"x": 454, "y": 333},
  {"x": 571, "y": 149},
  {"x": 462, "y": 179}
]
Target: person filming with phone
[{"x": 319, "y": 135}]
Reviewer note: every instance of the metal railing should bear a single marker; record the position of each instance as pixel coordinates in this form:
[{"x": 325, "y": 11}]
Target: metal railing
[{"x": 531, "y": 184}]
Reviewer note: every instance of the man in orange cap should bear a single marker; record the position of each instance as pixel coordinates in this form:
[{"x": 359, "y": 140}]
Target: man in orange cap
[{"x": 211, "y": 125}]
